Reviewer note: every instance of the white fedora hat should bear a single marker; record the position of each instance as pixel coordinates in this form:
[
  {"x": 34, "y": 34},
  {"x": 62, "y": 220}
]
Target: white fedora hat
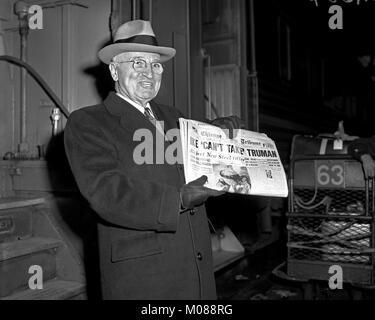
[{"x": 135, "y": 36}]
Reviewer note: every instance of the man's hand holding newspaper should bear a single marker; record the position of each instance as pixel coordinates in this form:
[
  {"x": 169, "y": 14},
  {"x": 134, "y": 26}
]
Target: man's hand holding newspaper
[{"x": 194, "y": 193}]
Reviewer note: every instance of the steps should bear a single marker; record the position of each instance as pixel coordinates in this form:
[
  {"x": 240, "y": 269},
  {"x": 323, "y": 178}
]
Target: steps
[
  {"x": 11, "y": 203},
  {"x": 16, "y": 257},
  {"x": 28, "y": 237},
  {"x": 33, "y": 245},
  {"x": 15, "y": 217},
  {"x": 52, "y": 290}
]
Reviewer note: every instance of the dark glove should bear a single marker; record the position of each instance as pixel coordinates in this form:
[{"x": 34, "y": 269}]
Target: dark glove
[
  {"x": 230, "y": 123},
  {"x": 194, "y": 194}
]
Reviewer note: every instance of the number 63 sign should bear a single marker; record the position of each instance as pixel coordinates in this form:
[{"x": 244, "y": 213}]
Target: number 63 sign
[{"x": 330, "y": 174}]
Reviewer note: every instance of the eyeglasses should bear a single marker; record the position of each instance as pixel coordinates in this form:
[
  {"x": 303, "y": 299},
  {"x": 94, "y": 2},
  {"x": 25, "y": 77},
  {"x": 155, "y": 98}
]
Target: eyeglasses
[{"x": 140, "y": 65}]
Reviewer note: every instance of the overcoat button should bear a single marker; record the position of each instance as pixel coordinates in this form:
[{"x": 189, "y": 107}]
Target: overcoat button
[{"x": 199, "y": 256}]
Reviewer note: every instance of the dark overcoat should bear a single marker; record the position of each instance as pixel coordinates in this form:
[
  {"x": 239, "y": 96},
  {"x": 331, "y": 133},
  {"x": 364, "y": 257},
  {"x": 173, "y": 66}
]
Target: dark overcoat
[{"x": 148, "y": 248}]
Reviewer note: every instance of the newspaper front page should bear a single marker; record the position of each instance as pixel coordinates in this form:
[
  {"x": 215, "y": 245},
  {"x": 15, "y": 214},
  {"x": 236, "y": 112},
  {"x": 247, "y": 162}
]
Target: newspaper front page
[{"x": 248, "y": 164}]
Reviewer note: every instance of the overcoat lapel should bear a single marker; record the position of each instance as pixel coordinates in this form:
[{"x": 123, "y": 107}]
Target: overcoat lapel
[{"x": 130, "y": 118}]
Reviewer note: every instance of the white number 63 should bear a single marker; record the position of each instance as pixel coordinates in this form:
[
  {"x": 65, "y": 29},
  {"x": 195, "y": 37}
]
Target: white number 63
[{"x": 325, "y": 172}]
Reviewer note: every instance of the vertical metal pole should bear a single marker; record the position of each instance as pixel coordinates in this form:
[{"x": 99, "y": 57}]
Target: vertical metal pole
[
  {"x": 21, "y": 10},
  {"x": 291, "y": 186},
  {"x": 189, "y": 69},
  {"x": 207, "y": 57},
  {"x": 253, "y": 72},
  {"x": 372, "y": 197},
  {"x": 134, "y": 9},
  {"x": 209, "y": 88},
  {"x": 23, "y": 91},
  {"x": 367, "y": 183},
  {"x": 150, "y": 11}
]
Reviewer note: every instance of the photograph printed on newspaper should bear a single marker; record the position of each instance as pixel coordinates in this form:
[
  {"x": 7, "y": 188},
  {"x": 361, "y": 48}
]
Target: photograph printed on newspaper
[{"x": 247, "y": 164}]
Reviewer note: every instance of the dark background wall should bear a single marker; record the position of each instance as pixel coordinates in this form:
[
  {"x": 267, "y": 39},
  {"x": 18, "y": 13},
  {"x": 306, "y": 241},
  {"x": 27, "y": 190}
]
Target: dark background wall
[{"x": 309, "y": 75}]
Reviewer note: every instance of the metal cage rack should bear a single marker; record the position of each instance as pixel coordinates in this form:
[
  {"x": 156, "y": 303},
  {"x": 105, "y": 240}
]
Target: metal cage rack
[{"x": 330, "y": 213}]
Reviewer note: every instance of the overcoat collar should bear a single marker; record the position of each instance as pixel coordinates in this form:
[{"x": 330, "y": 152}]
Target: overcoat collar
[{"x": 130, "y": 118}]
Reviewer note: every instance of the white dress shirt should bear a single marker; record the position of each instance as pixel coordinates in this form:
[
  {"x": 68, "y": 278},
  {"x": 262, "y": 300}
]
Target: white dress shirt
[
  {"x": 136, "y": 105},
  {"x": 142, "y": 110}
]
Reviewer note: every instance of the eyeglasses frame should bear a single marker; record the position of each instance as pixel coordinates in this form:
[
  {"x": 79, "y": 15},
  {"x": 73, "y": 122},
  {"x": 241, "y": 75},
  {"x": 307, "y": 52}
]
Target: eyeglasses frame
[{"x": 147, "y": 63}]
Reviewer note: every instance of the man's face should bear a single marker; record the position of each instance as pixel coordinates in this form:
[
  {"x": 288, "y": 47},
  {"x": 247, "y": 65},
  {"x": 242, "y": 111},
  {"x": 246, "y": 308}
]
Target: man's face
[{"x": 139, "y": 86}]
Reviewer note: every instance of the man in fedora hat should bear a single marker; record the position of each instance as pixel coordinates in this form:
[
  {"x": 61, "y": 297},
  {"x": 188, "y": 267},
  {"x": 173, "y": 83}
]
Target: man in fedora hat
[{"x": 154, "y": 240}]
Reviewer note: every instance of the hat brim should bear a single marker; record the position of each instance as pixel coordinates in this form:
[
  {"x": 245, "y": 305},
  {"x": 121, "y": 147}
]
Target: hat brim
[{"x": 107, "y": 53}]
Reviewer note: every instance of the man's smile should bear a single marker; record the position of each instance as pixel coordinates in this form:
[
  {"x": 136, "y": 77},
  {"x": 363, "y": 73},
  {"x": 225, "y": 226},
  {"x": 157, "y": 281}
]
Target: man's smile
[{"x": 146, "y": 84}]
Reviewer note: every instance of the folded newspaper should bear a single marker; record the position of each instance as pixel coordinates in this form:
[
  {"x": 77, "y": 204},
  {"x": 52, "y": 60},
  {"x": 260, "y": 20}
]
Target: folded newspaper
[{"x": 247, "y": 164}]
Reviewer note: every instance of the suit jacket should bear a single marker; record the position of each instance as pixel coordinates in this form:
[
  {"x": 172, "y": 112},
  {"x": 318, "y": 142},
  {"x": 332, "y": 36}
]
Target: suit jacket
[{"x": 148, "y": 249}]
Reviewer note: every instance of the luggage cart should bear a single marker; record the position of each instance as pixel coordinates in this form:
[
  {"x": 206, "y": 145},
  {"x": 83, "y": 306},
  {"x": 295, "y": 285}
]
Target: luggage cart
[{"x": 330, "y": 214}]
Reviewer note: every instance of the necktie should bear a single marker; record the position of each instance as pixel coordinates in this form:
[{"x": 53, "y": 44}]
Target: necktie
[
  {"x": 149, "y": 115},
  {"x": 153, "y": 120}
]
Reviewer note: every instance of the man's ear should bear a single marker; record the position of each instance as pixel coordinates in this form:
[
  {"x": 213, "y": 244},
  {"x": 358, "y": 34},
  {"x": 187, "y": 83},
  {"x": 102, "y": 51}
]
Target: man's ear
[{"x": 113, "y": 70}]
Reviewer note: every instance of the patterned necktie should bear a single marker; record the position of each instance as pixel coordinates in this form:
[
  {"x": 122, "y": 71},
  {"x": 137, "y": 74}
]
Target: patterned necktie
[{"x": 148, "y": 114}]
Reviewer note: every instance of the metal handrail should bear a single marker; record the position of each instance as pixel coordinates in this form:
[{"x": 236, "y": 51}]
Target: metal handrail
[{"x": 47, "y": 89}]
